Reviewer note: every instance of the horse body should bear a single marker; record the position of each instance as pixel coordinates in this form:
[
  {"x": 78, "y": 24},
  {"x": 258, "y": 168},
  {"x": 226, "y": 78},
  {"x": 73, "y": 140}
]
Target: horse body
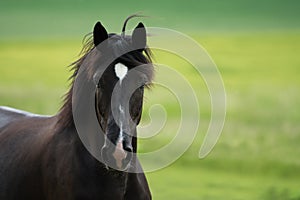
[
  {"x": 37, "y": 163},
  {"x": 42, "y": 157}
]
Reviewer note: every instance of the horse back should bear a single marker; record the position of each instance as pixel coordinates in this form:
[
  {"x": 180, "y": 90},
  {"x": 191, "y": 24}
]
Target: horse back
[{"x": 8, "y": 115}]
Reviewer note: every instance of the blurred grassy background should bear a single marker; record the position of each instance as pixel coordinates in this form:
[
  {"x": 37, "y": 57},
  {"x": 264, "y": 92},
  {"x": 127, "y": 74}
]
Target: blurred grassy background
[{"x": 255, "y": 44}]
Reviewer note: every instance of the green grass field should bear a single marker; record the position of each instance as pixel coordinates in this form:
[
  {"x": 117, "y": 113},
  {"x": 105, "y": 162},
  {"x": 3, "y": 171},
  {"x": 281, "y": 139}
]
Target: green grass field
[{"x": 256, "y": 50}]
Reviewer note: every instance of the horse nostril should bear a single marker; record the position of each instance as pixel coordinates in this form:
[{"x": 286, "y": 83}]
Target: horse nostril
[
  {"x": 128, "y": 148},
  {"x": 104, "y": 151},
  {"x": 106, "y": 154}
]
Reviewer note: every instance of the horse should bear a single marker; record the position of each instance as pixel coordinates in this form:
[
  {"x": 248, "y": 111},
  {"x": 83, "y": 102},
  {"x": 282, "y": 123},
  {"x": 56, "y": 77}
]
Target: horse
[{"x": 43, "y": 157}]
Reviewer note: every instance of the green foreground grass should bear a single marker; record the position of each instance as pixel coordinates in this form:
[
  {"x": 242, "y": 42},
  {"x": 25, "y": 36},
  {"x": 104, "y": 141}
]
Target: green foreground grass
[{"x": 257, "y": 156}]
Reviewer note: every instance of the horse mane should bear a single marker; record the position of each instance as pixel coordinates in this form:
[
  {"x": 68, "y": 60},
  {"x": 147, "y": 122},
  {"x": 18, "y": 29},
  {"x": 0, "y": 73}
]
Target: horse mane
[{"x": 65, "y": 112}]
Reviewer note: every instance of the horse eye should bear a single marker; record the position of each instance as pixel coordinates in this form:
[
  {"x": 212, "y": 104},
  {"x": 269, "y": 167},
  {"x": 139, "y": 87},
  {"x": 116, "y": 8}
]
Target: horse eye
[{"x": 142, "y": 87}]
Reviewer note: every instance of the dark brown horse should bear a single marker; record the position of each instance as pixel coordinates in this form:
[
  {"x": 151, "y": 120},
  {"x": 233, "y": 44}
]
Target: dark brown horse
[{"x": 43, "y": 157}]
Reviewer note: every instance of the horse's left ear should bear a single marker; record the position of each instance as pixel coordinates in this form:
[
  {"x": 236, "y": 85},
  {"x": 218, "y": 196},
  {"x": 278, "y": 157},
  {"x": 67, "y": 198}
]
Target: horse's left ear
[
  {"x": 139, "y": 40},
  {"x": 99, "y": 33}
]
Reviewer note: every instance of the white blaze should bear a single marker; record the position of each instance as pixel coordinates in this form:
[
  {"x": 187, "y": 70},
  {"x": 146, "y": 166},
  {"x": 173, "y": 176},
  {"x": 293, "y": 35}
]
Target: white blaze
[
  {"x": 121, "y": 71},
  {"x": 121, "y": 124}
]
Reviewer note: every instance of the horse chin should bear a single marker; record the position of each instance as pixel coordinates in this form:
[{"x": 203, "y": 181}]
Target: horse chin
[
  {"x": 120, "y": 169},
  {"x": 112, "y": 167}
]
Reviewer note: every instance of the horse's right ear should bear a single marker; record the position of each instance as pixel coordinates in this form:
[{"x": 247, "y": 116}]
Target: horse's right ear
[{"x": 99, "y": 33}]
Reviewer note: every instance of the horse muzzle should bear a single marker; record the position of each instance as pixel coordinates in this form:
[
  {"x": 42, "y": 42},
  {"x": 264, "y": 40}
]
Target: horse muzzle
[{"x": 117, "y": 156}]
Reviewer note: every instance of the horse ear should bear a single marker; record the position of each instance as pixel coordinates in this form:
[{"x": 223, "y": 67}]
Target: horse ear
[
  {"x": 139, "y": 40},
  {"x": 99, "y": 33}
]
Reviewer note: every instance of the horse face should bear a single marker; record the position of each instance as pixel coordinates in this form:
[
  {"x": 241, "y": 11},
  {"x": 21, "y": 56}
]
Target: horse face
[{"x": 119, "y": 96}]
